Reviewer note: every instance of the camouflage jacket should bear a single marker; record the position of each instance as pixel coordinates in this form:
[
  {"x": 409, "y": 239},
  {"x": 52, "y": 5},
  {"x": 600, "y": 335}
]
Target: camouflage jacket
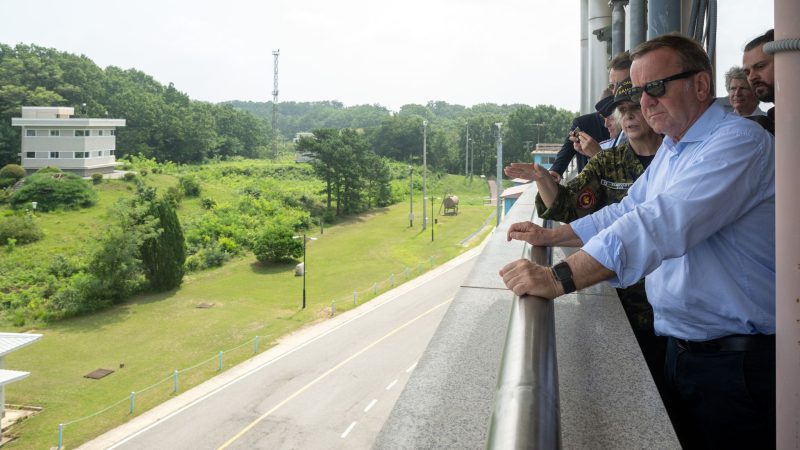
[{"x": 604, "y": 180}]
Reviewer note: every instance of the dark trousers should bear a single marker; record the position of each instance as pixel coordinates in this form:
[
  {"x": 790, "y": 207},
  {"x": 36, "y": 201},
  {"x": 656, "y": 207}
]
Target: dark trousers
[{"x": 722, "y": 399}]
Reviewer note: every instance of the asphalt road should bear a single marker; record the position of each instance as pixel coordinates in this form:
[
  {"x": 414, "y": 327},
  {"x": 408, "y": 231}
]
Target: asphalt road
[{"x": 334, "y": 389}]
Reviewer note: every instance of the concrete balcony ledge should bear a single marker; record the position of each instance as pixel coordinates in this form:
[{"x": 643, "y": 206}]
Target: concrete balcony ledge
[{"x": 608, "y": 398}]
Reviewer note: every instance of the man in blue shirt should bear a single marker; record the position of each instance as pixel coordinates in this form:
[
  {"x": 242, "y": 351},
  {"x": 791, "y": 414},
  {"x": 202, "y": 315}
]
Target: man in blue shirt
[{"x": 700, "y": 224}]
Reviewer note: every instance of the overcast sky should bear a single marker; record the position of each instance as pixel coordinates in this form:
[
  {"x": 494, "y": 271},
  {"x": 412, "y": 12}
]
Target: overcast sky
[{"x": 355, "y": 51}]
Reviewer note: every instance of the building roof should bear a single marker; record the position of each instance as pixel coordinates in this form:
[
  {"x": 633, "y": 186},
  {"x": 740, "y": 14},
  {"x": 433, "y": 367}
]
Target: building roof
[
  {"x": 10, "y": 342},
  {"x": 515, "y": 191},
  {"x": 51, "y": 122},
  {"x": 10, "y": 376}
]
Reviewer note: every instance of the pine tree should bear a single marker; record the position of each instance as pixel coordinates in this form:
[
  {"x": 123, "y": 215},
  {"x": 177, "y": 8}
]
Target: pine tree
[{"x": 163, "y": 256}]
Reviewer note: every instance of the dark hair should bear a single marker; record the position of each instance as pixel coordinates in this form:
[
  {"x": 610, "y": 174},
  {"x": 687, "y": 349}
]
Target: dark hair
[
  {"x": 620, "y": 61},
  {"x": 691, "y": 54},
  {"x": 769, "y": 36}
]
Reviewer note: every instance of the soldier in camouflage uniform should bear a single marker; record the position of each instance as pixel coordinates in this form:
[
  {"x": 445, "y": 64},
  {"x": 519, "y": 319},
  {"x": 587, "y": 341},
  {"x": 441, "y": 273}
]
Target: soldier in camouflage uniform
[{"x": 605, "y": 180}]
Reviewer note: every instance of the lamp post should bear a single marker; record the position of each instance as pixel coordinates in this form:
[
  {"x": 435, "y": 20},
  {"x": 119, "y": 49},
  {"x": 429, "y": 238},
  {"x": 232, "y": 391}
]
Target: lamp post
[
  {"x": 538, "y": 129},
  {"x": 424, "y": 170},
  {"x": 305, "y": 239},
  {"x": 499, "y": 170},
  {"x": 466, "y": 152},
  {"x": 410, "y": 197}
]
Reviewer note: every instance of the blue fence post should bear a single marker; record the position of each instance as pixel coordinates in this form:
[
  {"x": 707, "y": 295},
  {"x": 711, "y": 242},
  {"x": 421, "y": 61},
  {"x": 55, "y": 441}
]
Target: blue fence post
[
  {"x": 355, "y": 297},
  {"x": 391, "y": 279},
  {"x": 133, "y": 402},
  {"x": 175, "y": 381},
  {"x": 60, "y": 435},
  {"x": 333, "y": 308},
  {"x": 375, "y": 289},
  {"x": 255, "y": 345},
  {"x": 220, "y": 361}
]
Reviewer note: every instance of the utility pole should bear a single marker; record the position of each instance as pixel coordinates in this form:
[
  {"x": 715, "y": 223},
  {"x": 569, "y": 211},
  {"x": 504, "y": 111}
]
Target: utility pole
[
  {"x": 275, "y": 54},
  {"x": 410, "y": 197},
  {"x": 538, "y": 129},
  {"x": 424, "y": 170},
  {"x": 466, "y": 153},
  {"x": 499, "y": 170}
]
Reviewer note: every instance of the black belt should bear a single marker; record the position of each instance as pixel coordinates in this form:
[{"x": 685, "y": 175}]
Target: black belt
[{"x": 734, "y": 343}]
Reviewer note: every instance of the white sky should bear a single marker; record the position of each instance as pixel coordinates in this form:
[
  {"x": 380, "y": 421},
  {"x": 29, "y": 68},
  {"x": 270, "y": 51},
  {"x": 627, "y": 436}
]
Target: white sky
[{"x": 355, "y": 51}]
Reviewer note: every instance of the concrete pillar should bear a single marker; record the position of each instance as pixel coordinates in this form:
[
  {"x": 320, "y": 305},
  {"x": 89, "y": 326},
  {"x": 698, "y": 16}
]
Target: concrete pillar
[
  {"x": 663, "y": 16},
  {"x": 637, "y": 12},
  {"x": 787, "y": 254},
  {"x": 586, "y": 106},
  {"x": 599, "y": 18},
  {"x": 617, "y": 26}
]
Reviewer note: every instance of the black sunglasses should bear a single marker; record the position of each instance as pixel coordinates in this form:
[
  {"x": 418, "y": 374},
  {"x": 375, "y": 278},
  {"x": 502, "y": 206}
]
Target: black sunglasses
[{"x": 658, "y": 88}]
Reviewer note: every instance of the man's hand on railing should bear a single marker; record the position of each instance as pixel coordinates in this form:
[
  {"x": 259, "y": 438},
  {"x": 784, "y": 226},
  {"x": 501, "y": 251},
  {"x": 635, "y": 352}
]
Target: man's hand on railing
[
  {"x": 528, "y": 232},
  {"x": 524, "y": 277}
]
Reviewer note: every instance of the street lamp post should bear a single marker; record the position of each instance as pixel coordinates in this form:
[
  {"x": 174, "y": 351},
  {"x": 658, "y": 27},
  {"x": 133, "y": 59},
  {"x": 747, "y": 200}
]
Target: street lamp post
[
  {"x": 499, "y": 170},
  {"x": 424, "y": 170},
  {"x": 538, "y": 129},
  {"x": 466, "y": 152},
  {"x": 305, "y": 239},
  {"x": 433, "y": 222},
  {"x": 410, "y": 197}
]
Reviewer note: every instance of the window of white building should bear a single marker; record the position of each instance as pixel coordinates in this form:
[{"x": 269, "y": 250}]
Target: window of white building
[
  {"x": 82, "y": 133},
  {"x": 81, "y": 154},
  {"x": 99, "y": 153},
  {"x": 113, "y": 132},
  {"x": 30, "y": 133},
  {"x": 111, "y": 153},
  {"x": 30, "y": 154},
  {"x": 55, "y": 133},
  {"x": 99, "y": 132},
  {"x": 53, "y": 155}
]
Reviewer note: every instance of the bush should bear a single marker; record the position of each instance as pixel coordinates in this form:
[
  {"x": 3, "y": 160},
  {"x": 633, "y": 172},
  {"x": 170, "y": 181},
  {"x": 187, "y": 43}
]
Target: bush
[
  {"x": 190, "y": 186},
  {"x": 174, "y": 196},
  {"x": 143, "y": 172},
  {"x": 54, "y": 190},
  {"x": 12, "y": 171},
  {"x": 275, "y": 244},
  {"x": 208, "y": 203},
  {"x": 129, "y": 176},
  {"x": 50, "y": 169},
  {"x": 20, "y": 228},
  {"x": 97, "y": 178}
]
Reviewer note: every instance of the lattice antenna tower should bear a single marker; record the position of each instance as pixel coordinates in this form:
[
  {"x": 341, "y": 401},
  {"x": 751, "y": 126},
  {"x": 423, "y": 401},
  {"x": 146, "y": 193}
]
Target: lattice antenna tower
[{"x": 275, "y": 55}]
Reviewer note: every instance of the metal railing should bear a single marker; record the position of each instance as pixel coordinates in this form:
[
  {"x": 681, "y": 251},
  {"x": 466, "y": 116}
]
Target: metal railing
[{"x": 527, "y": 412}]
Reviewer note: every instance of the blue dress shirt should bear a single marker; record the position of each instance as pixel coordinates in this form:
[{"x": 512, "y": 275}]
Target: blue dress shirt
[{"x": 700, "y": 223}]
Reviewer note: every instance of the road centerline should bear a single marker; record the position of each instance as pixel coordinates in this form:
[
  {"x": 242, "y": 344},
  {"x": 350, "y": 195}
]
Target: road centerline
[{"x": 326, "y": 373}]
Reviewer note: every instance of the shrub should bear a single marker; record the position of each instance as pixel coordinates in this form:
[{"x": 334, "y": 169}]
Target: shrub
[
  {"x": 129, "y": 176},
  {"x": 275, "y": 244},
  {"x": 208, "y": 203},
  {"x": 12, "y": 173},
  {"x": 50, "y": 169},
  {"x": 54, "y": 190},
  {"x": 97, "y": 178},
  {"x": 143, "y": 172},
  {"x": 174, "y": 195},
  {"x": 20, "y": 228},
  {"x": 190, "y": 186}
]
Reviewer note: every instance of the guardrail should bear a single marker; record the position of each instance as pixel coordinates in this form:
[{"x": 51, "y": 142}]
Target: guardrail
[{"x": 527, "y": 412}]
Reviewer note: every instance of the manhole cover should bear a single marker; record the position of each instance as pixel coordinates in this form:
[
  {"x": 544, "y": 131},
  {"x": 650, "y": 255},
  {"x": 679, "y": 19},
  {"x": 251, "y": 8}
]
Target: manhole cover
[{"x": 98, "y": 373}]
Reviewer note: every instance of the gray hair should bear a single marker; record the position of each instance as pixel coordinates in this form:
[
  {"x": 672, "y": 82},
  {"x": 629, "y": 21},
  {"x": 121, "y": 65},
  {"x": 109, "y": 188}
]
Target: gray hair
[{"x": 735, "y": 73}]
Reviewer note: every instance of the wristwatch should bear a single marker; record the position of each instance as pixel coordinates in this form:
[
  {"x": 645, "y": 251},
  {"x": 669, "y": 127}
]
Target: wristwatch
[{"x": 563, "y": 274}]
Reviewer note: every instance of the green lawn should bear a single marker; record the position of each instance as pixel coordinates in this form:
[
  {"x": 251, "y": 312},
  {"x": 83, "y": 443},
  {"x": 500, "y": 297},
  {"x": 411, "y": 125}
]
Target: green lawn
[{"x": 154, "y": 335}]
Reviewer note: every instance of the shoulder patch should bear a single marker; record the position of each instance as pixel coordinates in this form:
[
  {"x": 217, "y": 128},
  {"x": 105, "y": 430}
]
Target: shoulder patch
[{"x": 586, "y": 199}]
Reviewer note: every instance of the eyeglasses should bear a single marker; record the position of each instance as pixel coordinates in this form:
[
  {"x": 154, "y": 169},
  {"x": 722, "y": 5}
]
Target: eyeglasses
[{"x": 658, "y": 88}]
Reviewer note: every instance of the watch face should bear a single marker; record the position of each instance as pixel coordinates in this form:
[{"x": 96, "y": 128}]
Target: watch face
[{"x": 562, "y": 271}]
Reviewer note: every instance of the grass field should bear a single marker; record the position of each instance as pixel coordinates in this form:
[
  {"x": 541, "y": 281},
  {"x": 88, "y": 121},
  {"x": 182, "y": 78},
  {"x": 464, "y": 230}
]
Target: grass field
[{"x": 154, "y": 335}]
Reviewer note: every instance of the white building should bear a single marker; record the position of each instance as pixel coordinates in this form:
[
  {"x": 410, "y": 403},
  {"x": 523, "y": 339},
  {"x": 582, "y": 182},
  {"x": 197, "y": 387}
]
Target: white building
[{"x": 50, "y": 137}]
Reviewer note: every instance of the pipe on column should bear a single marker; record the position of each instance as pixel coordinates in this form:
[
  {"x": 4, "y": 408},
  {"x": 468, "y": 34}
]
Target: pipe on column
[
  {"x": 586, "y": 104},
  {"x": 638, "y": 18},
  {"x": 787, "y": 216},
  {"x": 617, "y": 26},
  {"x": 599, "y": 18},
  {"x": 663, "y": 16}
]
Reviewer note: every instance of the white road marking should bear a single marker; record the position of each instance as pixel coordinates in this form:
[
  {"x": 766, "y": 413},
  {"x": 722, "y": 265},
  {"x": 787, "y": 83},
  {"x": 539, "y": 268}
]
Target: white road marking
[
  {"x": 411, "y": 368},
  {"x": 391, "y": 384},
  {"x": 371, "y": 404},
  {"x": 347, "y": 431},
  {"x": 328, "y": 372}
]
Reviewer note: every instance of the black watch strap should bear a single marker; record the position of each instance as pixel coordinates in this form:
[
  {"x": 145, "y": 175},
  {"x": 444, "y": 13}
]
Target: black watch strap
[{"x": 563, "y": 274}]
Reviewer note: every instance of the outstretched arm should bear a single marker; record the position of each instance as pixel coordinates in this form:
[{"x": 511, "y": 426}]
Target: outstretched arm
[{"x": 533, "y": 234}]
